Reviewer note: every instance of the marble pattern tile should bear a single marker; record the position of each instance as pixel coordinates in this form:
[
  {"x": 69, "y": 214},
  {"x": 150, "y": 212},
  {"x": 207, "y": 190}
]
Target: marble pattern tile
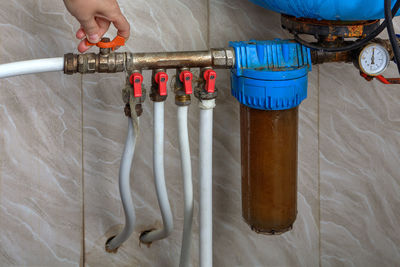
[
  {"x": 40, "y": 142},
  {"x": 52, "y": 213},
  {"x": 360, "y": 181}
]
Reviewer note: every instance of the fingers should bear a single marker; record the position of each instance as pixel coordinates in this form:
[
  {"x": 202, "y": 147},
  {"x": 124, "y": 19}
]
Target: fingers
[
  {"x": 122, "y": 26},
  {"x": 103, "y": 24},
  {"x": 82, "y": 47},
  {"x": 91, "y": 28},
  {"x": 80, "y": 34}
]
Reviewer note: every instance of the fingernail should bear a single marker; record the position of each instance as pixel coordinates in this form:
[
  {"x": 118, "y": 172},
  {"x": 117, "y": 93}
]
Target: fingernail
[{"x": 94, "y": 38}]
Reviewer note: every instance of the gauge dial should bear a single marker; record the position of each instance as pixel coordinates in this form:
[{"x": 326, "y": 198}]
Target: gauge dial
[{"x": 374, "y": 59}]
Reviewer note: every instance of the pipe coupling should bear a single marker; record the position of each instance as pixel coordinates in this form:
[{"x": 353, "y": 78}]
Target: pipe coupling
[{"x": 91, "y": 63}]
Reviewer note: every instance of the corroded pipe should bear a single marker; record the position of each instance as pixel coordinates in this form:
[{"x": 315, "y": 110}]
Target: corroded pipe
[{"x": 119, "y": 62}]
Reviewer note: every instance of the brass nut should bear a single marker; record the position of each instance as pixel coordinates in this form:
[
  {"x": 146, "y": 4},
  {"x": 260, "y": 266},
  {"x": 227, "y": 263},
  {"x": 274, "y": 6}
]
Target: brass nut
[
  {"x": 219, "y": 58},
  {"x": 223, "y": 58},
  {"x": 70, "y": 63},
  {"x": 87, "y": 63}
]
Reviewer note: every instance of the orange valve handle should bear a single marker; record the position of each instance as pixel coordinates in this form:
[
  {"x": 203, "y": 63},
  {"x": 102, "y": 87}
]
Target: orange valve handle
[{"x": 118, "y": 41}]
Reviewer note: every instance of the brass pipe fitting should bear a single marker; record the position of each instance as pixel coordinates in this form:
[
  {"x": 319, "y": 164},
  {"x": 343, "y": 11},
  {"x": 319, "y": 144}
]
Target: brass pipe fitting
[
  {"x": 155, "y": 87},
  {"x": 200, "y": 91},
  {"x": 110, "y": 62},
  {"x": 181, "y": 98},
  {"x": 91, "y": 63}
]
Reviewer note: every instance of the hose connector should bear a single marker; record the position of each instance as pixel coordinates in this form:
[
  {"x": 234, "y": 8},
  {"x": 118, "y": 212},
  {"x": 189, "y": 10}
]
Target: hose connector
[
  {"x": 206, "y": 88},
  {"x": 183, "y": 87}
]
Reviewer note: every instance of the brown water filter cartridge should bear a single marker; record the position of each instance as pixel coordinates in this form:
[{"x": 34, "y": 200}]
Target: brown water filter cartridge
[{"x": 269, "y": 168}]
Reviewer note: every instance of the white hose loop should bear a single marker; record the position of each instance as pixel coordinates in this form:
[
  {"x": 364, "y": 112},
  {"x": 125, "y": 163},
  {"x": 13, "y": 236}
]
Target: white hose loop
[
  {"x": 125, "y": 189},
  {"x": 159, "y": 179},
  {"x": 31, "y": 67}
]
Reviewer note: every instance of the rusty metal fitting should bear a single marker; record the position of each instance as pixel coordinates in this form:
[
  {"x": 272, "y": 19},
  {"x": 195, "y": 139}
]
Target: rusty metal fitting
[
  {"x": 128, "y": 92},
  {"x": 320, "y": 57},
  {"x": 200, "y": 91},
  {"x": 158, "y": 87},
  {"x": 181, "y": 97}
]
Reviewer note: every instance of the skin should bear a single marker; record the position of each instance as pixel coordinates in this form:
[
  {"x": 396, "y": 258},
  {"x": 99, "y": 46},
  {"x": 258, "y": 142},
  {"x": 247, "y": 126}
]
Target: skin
[{"x": 95, "y": 17}]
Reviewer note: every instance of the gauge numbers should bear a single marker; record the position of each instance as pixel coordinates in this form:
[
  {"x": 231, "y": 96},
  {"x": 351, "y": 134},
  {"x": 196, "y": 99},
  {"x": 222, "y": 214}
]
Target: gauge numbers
[{"x": 374, "y": 59}]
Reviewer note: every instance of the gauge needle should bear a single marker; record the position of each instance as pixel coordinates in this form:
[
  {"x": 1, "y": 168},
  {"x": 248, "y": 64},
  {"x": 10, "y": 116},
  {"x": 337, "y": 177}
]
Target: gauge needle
[{"x": 373, "y": 56}]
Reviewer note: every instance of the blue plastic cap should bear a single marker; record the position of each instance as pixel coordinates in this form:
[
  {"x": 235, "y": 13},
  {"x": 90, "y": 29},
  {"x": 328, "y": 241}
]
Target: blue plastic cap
[{"x": 270, "y": 75}]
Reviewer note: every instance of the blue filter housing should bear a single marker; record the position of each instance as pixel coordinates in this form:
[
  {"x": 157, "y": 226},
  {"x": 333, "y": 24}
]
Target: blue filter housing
[
  {"x": 328, "y": 9},
  {"x": 270, "y": 75}
]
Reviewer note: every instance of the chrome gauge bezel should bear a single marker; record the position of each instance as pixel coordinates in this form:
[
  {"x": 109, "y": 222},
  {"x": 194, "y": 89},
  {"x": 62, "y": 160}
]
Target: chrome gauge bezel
[{"x": 381, "y": 70}]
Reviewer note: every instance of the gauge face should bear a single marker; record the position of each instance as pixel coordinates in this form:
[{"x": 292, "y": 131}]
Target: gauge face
[{"x": 374, "y": 59}]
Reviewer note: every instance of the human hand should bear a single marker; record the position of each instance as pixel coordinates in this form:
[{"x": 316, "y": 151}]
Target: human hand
[{"x": 95, "y": 17}]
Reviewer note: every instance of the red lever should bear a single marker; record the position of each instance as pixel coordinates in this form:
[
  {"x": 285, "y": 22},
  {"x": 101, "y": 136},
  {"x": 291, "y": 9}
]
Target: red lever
[
  {"x": 136, "y": 80},
  {"x": 381, "y": 79},
  {"x": 118, "y": 41},
  {"x": 161, "y": 79},
  {"x": 210, "y": 76},
  {"x": 186, "y": 78}
]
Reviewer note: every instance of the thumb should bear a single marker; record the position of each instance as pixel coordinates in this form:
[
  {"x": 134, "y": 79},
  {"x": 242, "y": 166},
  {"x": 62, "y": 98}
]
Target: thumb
[{"x": 91, "y": 29}]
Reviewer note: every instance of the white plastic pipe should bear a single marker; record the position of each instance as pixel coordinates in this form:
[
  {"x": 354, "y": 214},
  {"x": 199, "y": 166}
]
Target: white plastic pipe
[
  {"x": 125, "y": 189},
  {"x": 31, "y": 67},
  {"x": 159, "y": 179},
  {"x": 205, "y": 181},
  {"x": 186, "y": 167}
]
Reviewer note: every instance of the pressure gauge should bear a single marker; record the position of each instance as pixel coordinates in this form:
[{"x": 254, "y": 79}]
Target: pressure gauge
[{"x": 374, "y": 59}]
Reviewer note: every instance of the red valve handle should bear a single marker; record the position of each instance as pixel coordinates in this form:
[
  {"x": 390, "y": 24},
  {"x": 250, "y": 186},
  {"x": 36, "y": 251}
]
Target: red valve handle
[
  {"x": 136, "y": 80},
  {"x": 210, "y": 76},
  {"x": 117, "y": 42},
  {"x": 161, "y": 79},
  {"x": 380, "y": 78},
  {"x": 186, "y": 78}
]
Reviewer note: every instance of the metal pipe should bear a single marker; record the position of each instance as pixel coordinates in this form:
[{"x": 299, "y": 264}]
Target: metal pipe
[{"x": 118, "y": 62}]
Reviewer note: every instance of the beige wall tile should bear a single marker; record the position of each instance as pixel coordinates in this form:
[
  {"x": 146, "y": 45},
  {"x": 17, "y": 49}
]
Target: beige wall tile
[
  {"x": 40, "y": 142},
  {"x": 360, "y": 181}
]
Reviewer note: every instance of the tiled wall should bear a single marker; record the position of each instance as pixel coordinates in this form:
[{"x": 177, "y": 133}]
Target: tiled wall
[{"x": 61, "y": 139}]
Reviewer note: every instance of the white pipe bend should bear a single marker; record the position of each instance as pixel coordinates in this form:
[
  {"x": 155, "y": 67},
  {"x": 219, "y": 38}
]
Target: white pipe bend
[
  {"x": 159, "y": 179},
  {"x": 31, "y": 67},
  {"x": 125, "y": 189}
]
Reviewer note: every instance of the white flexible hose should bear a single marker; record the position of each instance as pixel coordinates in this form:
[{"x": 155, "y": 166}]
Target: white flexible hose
[
  {"x": 205, "y": 181},
  {"x": 125, "y": 189},
  {"x": 187, "y": 185},
  {"x": 31, "y": 67},
  {"x": 159, "y": 179}
]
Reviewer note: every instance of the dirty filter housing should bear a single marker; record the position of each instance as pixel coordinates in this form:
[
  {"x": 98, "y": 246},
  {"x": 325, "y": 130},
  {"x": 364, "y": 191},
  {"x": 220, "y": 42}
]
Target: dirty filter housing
[{"x": 270, "y": 82}]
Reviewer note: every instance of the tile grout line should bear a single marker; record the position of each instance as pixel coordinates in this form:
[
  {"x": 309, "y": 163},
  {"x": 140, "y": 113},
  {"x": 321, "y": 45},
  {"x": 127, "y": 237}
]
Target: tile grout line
[
  {"x": 208, "y": 25},
  {"x": 319, "y": 168},
  {"x": 83, "y": 250}
]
